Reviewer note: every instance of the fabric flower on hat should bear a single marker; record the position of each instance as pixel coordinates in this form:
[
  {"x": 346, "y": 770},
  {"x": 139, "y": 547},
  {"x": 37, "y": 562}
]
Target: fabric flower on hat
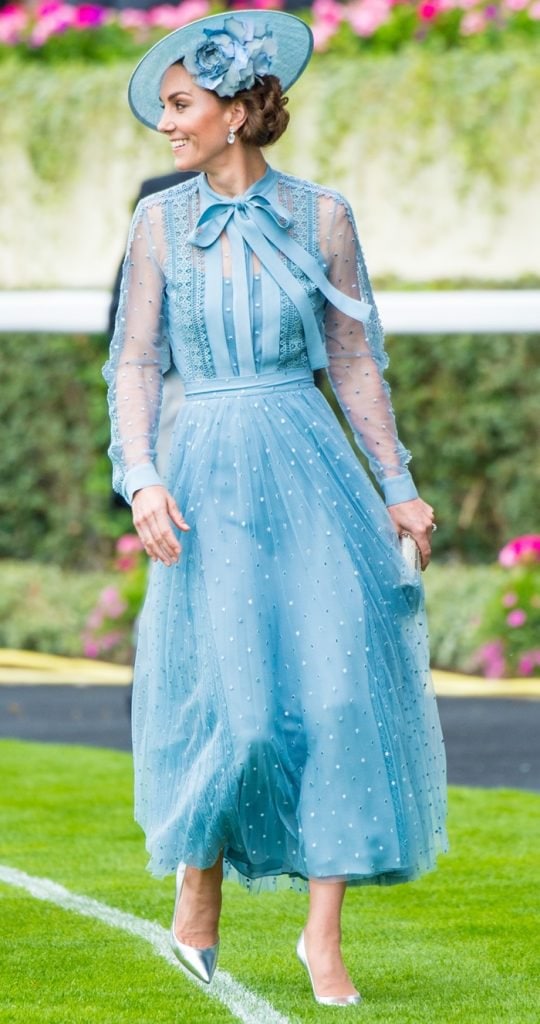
[{"x": 230, "y": 58}]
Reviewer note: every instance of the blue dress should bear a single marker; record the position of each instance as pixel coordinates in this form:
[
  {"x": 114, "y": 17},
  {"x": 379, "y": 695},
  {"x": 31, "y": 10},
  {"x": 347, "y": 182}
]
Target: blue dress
[{"x": 283, "y": 709}]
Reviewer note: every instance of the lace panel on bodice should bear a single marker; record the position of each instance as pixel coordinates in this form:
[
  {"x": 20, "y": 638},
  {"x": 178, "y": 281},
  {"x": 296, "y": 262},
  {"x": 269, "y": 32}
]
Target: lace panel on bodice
[{"x": 175, "y": 299}]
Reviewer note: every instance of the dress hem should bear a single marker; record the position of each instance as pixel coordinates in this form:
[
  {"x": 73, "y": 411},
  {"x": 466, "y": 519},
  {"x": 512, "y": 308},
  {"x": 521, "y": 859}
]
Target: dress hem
[{"x": 293, "y": 880}]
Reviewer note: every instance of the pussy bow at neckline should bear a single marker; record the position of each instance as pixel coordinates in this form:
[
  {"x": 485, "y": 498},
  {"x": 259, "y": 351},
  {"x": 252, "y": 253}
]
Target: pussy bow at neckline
[{"x": 263, "y": 224}]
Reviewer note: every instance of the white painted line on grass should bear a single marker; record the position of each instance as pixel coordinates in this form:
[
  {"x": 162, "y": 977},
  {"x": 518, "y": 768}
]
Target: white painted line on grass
[{"x": 243, "y": 1004}]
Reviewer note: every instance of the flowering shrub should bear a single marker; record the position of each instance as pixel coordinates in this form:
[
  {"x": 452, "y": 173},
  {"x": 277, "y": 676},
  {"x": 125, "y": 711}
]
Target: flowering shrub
[
  {"x": 57, "y": 30},
  {"x": 510, "y": 626},
  {"x": 521, "y": 551},
  {"x": 109, "y": 626},
  {"x": 386, "y": 25}
]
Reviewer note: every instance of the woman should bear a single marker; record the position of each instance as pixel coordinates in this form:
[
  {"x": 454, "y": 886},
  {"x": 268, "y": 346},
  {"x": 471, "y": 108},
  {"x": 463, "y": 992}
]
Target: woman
[{"x": 284, "y": 726}]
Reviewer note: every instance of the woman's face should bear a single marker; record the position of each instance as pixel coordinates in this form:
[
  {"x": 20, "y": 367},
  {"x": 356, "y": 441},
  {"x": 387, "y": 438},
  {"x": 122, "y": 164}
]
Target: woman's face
[{"x": 195, "y": 121}]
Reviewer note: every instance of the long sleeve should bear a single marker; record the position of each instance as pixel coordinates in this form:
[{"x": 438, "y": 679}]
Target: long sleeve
[
  {"x": 357, "y": 357},
  {"x": 139, "y": 355}
]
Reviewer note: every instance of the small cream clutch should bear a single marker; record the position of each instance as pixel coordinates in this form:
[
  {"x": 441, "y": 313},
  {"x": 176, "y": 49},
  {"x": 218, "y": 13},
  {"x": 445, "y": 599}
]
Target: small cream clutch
[{"x": 410, "y": 552}]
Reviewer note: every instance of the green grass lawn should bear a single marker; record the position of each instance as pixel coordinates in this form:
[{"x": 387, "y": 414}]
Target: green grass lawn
[{"x": 456, "y": 946}]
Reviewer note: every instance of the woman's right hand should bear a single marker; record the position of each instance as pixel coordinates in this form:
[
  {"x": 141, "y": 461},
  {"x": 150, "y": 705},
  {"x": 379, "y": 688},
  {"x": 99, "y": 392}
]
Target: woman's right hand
[
  {"x": 416, "y": 518},
  {"x": 152, "y": 508}
]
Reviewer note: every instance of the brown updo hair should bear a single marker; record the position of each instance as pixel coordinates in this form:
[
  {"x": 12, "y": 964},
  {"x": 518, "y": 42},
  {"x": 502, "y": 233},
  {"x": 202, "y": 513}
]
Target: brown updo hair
[{"x": 266, "y": 118}]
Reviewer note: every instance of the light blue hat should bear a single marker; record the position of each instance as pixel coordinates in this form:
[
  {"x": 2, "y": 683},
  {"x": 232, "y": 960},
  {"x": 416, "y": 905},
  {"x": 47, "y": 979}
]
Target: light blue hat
[{"x": 225, "y": 53}]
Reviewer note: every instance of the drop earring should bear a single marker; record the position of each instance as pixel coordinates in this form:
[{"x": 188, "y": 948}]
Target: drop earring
[{"x": 231, "y": 137}]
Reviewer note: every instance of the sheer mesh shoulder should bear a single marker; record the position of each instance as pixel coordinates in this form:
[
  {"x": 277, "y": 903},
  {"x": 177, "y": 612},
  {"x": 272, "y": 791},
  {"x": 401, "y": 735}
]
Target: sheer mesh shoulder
[
  {"x": 139, "y": 354},
  {"x": 222, "y": 325},
  {"x": 356, "y": 354}
]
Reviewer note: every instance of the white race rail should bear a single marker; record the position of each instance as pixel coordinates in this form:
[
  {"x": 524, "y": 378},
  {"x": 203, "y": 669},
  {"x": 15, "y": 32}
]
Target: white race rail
[{"x": 468, "y": 312}]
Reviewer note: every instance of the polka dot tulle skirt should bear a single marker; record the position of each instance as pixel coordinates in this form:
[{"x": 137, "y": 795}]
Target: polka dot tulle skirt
[{"x": 283, "y": 710}]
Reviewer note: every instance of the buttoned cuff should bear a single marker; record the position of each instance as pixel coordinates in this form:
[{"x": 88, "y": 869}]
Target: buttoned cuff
[
  {"x": 140, "y": 476},
  {"x": 399, "y": 488}
]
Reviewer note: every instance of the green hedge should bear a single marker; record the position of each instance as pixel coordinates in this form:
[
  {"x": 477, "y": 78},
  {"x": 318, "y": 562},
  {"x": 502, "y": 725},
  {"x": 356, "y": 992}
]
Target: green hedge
[
  {"x": 55, "y": 497},
  {"x": 467, "y": 406},
  {"x": 468, "y": 409},
  {"x": 44, "y": 608},
  {"x": 406, "y": 23},
  {"x": 477, "y": 109}
]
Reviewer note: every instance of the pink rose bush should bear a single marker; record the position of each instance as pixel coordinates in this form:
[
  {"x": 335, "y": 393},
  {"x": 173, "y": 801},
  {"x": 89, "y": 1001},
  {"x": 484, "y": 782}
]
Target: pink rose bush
[
  {"x": 509, "y": 628},
  {"x": 109, "y": 627},
  {"x": 91, "y": 31},
  {"x": 14, "y": 22},
  {"x": 521, "y": 551},
  {"x": 61, "y": 31},
  {"x": 389, "y": 24}
]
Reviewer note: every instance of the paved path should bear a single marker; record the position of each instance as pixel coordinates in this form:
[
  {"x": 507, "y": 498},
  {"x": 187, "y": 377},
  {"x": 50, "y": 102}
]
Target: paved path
[{"x": 490, "y": 742}]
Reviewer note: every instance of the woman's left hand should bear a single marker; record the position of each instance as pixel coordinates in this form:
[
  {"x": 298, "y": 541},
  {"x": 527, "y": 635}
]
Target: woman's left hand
[{"x": 417, "y": 518}]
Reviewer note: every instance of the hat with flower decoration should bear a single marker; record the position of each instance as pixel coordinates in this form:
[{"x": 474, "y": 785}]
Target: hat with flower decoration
[{"x": 224, "y": 53}]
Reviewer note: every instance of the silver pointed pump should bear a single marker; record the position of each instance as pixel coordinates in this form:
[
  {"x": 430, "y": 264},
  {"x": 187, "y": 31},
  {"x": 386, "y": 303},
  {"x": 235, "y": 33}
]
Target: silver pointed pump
[
  {"x": 201, "y": 962},
  {"x": 351, "y": 1000}
]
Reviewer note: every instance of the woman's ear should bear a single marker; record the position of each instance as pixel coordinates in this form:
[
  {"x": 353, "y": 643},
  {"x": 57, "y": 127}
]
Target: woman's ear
[{"x": 237, "y": 115}]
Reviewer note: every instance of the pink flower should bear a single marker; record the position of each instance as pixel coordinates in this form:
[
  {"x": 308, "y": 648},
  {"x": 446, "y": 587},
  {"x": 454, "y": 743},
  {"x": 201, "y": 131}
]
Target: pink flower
[
  {"x": 13, "y": 21},
  {"x": 171, "y": 17},
  {"x": 125, "y": 563},
  {"x": 491, "y": 658},
  {"x": 95, "y": 619},
  {"x": 534, "y": 11},
  {"x": 428, "y": 11},
  {"x": 128, "y": 550},
  {"x": 516, "y": 5},
  {"x": 525, "y": 665},
  {"x": 131, "y": 17},
  {"x": 495, "y": 669},
  {"x": 509, "y": 600},
  {"x": 328, "y": 11},
  {"x": 258, "y": 5},
  {"x": 50, "y": 7},
  {"x": 55, "y": 19},
  {"x": 528, "y": 662},
  {"x": 493, "y": 649},
  {"x": 266, "y": 5},
  {"x": 366, "y": 16},
  {"x": 111, "y": 602},
  {"x": 322, "y": 35},
  {"x": 91, "y": 648},
  {"x": 472, "y": 22},
  {"x": 328, "y": 16},
  {"x": 523, "y": 550},
  {"x": 89, "y": 16},
  {"x": 516, "y": 618},
  {"x": 128, "y": 544}
]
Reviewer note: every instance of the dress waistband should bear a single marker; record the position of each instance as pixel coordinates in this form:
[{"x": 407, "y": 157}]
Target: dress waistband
[{"x": 216, "y": 387}]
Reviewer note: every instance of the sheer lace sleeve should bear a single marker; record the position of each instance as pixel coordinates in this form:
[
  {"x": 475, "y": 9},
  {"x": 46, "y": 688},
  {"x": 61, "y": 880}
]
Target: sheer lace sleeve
[
  {"x": 139, "y": 355},
  {"x": 357, "y": 357}
]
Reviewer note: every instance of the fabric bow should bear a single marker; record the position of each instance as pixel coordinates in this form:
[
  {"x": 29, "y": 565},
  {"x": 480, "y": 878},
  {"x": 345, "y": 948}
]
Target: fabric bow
[{"x": 263, "y": 226}]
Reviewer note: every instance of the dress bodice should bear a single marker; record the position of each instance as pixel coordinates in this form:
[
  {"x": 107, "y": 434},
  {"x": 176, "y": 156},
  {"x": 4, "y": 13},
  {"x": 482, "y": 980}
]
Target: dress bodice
[
  {"x": 272, "y": 280},
  {"x": 224, "y": 310}
]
